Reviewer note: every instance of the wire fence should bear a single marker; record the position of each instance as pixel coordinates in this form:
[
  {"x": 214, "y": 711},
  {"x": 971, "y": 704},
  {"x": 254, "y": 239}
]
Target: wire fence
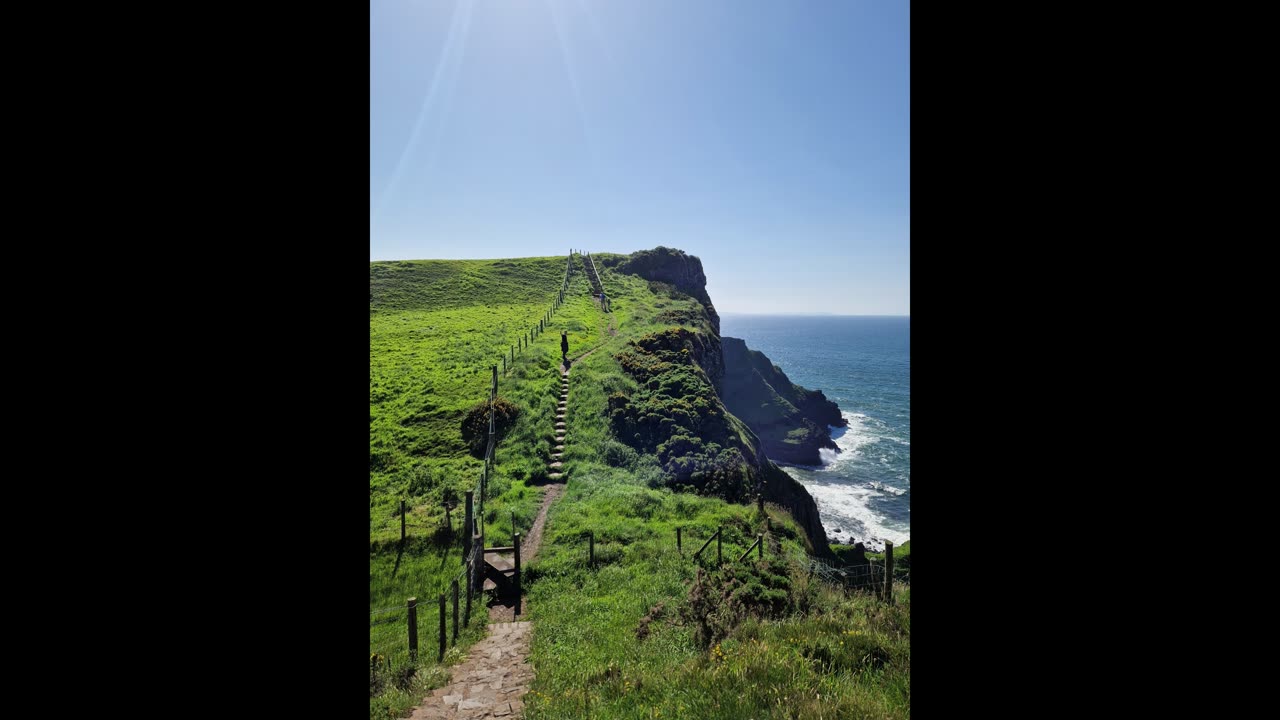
[{"x": 867, "y": 576}]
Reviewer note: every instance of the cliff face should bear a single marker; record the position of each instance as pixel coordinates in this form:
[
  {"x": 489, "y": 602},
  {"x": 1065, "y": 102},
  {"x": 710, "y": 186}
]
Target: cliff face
[
  {"x": 780, "y": 488},
  {"x": 674, "y": 267},
  {"x": 790, "y": 420},
  {"x": 691, "y": 383}
]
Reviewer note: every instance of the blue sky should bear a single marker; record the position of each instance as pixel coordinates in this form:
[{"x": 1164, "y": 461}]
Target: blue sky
[{"x": 769, "y": 138}]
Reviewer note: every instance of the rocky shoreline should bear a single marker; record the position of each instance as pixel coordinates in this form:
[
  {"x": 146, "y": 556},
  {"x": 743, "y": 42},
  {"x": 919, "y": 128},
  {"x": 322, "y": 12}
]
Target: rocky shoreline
[{"x": 791, "y": 421}]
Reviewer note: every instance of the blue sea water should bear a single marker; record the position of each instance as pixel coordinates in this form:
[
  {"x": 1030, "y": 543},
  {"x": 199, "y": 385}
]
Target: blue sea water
[{"x": 863, "y": 363}]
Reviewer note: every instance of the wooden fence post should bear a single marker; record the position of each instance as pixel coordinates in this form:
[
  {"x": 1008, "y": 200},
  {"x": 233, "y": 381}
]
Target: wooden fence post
[
  {"x": 477, "y": 563},
  {"x": 467, "y": 521},
  {"x": 442, "y": 638},
  {"x": 679, "y": 546},
  {"x": 413, "y": 627},
  {"x": 466, "y": 614},
  {"x": 888, "y": 571},
  {"x": 719, "y": 537},
  {"x": 455, "y": 611},
  {"x": 760, "y": 544},
  {"x": 513, "y": 524},
  {"x": 760, "y": 503},
  {"x": 402, "y": 522},
  {"x": 517, "y": 547}
]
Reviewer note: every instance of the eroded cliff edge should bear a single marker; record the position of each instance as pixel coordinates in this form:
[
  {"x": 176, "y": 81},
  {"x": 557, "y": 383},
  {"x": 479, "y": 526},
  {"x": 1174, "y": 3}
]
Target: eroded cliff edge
[{"x": 684, "y": 413}]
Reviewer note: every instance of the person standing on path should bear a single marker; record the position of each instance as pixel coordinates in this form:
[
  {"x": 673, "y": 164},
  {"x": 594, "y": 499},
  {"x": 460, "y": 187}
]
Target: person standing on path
[{"x": 564, "y": 345}]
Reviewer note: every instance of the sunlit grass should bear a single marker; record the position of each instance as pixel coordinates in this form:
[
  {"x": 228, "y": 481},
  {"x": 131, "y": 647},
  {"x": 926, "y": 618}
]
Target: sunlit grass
[{"x": 436, "y": 328}]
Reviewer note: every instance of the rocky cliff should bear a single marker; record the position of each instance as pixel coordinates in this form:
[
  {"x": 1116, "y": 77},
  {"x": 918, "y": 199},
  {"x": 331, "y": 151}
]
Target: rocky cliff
[
  {"x": 674, "y": 267},
  {"x": 790, "y": 420},
  {"x": 683, "y": 413}
]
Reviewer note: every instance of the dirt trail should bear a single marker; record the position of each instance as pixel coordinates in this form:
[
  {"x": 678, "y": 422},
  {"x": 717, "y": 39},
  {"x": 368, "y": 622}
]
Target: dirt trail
[{"x": 493, "y": 680}]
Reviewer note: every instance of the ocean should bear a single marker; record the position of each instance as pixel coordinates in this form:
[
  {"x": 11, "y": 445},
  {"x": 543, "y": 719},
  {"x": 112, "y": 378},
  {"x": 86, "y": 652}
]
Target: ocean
[{"x": 863, "y": 363}]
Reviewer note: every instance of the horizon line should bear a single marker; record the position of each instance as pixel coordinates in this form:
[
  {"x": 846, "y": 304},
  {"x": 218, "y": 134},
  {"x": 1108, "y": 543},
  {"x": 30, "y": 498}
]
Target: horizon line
[{"x": 815, "y": 314}]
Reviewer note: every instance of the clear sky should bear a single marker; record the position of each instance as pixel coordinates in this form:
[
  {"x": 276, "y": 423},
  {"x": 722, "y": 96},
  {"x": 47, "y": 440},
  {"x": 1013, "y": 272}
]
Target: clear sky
[{"x": 769, "y": 138}]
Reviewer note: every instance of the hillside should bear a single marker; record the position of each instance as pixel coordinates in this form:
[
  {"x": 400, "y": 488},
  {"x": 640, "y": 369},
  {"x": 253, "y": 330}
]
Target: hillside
[{"x": 657, "y": 445}]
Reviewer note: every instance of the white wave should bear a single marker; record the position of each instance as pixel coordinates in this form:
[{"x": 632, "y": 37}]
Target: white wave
[
  {"x": 849, "y": 439},
  {"x": 844, "y": 506}
]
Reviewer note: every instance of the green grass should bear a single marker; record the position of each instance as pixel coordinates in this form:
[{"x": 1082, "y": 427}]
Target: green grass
[
  {"x": 435, "y": 329},
  {"x": 591, "y": 663}
]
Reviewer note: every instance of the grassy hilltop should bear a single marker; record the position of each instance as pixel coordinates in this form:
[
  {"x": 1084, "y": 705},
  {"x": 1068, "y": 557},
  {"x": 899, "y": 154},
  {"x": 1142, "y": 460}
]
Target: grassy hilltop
[{"x": 648, "y": 632}]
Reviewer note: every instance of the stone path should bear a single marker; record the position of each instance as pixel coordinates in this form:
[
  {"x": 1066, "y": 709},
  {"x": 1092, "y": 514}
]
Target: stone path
[{"x": 490, "y": 684}]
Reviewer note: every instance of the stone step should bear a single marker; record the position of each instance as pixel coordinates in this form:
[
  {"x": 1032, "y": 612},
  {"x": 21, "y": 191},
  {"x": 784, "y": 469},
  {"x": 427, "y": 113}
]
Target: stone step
[
  {"x": 557, "y": 457},
  {"x": 554, "y": 476},
  {"x": 559, "y": 448},
  {"x": 560, "y": 426},
  {"x": 556, "y": 465}
]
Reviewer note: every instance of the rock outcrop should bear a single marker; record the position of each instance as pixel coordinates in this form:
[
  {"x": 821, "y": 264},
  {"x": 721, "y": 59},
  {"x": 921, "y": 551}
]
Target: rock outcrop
[
  {"x": 676, "y": 268},
  {"x": 780, "y": 488},
  {"x": 790, "y": 420}
]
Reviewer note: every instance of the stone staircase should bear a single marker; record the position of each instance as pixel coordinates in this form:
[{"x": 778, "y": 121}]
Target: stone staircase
[{"x": 556, "y": 466}]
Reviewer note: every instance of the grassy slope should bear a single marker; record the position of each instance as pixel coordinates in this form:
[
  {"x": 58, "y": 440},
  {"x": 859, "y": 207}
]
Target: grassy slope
[
  {"x": 436, "y": 328},
  {"x": 589, "y": 659}
]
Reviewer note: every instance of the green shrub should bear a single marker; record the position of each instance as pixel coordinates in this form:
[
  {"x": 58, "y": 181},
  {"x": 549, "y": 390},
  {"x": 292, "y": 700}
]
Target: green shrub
[
  {"x": 475, "y": 425},
  {"x": 721, "y": 599},
  {"x": 618, "y": 455}
]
